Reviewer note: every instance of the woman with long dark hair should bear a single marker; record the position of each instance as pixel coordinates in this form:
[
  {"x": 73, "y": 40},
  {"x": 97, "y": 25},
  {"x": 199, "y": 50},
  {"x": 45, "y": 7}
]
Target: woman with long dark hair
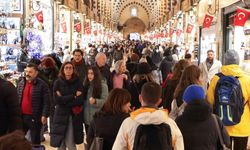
[
  {"x": 171, "y": 84},
  {"x": 67, "y": 129},
  {"x": 96, "y": 91},
  {"x": 108, "y": 120},
  {"x": 190, "y": 75}
]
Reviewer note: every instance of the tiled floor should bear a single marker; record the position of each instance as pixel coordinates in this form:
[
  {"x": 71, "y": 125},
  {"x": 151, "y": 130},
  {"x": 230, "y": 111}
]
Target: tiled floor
[
  {"x": 80, "y": 147},
  {"x": 48, "y": 147}
]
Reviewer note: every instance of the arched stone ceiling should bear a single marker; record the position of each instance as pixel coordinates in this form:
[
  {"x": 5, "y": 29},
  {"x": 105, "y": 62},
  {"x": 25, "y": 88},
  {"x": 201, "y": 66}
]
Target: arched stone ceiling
[
  {"x": 142, "y": 14},
  {"x": 150, "y": 6}
]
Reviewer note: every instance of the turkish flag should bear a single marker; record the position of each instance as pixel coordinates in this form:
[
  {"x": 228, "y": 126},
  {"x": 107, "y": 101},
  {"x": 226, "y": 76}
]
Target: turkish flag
[
  {"x": 171, "y": 31},
  {"x": 178, "y": 32},
  {"x": 189, "y": 28},
  {"x": 39, "y": 16},
  {"x": 78, "y": 27},
  {"x": 95, "y": 32},
  {"x": 207, "y": 21},
  {"x": 241, "y": 17},
  {"x": 87, "y": 28},
  {"x": 64, "y": 27}
]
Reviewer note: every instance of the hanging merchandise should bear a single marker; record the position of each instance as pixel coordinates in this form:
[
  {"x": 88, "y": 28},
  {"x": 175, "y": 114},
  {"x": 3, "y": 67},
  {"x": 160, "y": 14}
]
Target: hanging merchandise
[
  {"x": 207, "y": 21},
  {"x": 241, "y": 17},
  {"x": 189, "y": 28},
  {"x": 39, "y": 16}
]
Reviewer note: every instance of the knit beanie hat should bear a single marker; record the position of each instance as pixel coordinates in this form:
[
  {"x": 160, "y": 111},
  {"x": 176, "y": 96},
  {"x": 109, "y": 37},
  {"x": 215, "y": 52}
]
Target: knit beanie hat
[
  {"x": 193, "y": 92},
  {"x": 231, "y": 57},
  {"x": 143, "y": 68}
]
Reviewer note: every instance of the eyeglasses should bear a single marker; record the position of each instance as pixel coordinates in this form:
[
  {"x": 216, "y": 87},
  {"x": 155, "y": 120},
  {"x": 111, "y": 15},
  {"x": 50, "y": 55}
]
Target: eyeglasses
[{"x": 68, "y": 68}]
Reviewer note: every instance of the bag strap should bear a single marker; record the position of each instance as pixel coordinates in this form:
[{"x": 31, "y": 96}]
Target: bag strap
[{"x": 218, "y": 131}]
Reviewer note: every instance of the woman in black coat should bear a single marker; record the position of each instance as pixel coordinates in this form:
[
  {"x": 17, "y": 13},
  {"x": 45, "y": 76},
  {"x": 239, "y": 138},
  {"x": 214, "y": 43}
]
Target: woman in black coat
[
  {"x": 107, "y": 121},
  {"x": 197, "y": 124},
  {"x": 67, "y": 129}
]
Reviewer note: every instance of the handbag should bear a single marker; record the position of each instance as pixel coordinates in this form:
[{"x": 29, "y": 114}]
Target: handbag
[
  {"x": 175, "y": 110},
  {"x": 97, "y": 144},
  {"x": 223, "y": 146}
]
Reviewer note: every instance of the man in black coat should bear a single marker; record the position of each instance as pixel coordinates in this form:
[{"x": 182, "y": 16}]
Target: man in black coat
[
  {"x": 103, "y": 67},
  {"x": 33, "y": 95},
  {"x": 10, "y": 114}
]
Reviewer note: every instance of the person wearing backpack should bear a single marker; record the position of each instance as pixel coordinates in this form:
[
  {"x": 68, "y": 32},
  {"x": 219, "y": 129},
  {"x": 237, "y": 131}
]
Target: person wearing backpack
[
  {"x": 237, "y": 125},
  {"x": 136, "y": 131}
]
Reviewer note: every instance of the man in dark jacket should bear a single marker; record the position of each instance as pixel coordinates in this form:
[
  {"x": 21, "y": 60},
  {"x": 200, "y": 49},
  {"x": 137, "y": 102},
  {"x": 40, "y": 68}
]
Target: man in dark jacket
[
  {"x": 33, "y": 95},
  {"x": 103, "y": 67},
  {"x": 10, "y": 114},
  {"x": 79, "y": 63},
  {"x": 166, "y": 64},
  {"x": 22, "y": 59}
]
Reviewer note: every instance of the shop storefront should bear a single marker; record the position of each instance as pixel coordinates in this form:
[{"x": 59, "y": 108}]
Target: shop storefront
[
  {"x": 237, "y": 37},
  {"x": 11, "y": 37},
  {"x": 38, "y": 30}
]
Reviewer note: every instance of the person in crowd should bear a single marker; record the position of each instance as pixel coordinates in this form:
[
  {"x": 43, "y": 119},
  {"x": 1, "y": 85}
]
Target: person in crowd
[
  {"x": 10, "y": 113},
  {"x": 107, "y": 121},
  {"x": 188, "y": 57},
  {"x": 67, "y": 129},
  {"x": 209, "y": 68},
  {"x": 96, "y": 91},
  {"x": 33, "y": 95},
  {"x": 190, "y": 75},
  {"x": 238, "y": 133},
  {"x": 118, "y": 53},
  {"x": 156, "y": 72},
  {"x": 175, "y": 53},
  {"x": 91, "y": 55},
  {"x": 142, "y": 76},
  {"x": 166, "y": 64},
  {"x": 120, "y": 77},
  {"x": 49, "y": 73},
  {"x": 56, "y": 60},
  {"x": 67, "y": 54},
  {"x": 101, "y": 60},
  {"x": 171, "y": 84},
  {"x": 59, "y": 53},
  {"x": 22, "y": 59},
  {"x": 79, "y": 64},
  {"x": 14, "y": 141},
  {"x": 150, "y": 98},
  {"x": 132, "y": 64},
  {"x": 198, "y": 118}
]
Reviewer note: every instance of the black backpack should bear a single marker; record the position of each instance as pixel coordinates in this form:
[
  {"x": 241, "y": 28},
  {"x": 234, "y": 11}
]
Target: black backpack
[{"x": 153, "y": 137}]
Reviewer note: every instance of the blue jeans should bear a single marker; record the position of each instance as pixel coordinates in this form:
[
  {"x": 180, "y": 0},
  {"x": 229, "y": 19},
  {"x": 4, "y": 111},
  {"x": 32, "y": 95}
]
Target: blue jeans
[{"x": 69, "y": 138}]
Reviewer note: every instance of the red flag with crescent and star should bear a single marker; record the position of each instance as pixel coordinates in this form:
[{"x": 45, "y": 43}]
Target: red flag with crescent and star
[
  {"x": 207, "y": 21},
  {"x": 171, "y": 31},
  {"x": 64, "y": 27},
  {"x": 78, "y": 27},
  {"x": 189, "y": 28},
  {"x": 178, "y": 32},
  {"x": 39, "y": 16},
  {"x": 241, "y": 17}
]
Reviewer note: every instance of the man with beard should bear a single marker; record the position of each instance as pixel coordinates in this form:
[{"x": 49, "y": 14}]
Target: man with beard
[
  {"x": 33, "y": 95},
  {"x": 209, "y": 68},
  {"x": 79, "y": 64}
]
